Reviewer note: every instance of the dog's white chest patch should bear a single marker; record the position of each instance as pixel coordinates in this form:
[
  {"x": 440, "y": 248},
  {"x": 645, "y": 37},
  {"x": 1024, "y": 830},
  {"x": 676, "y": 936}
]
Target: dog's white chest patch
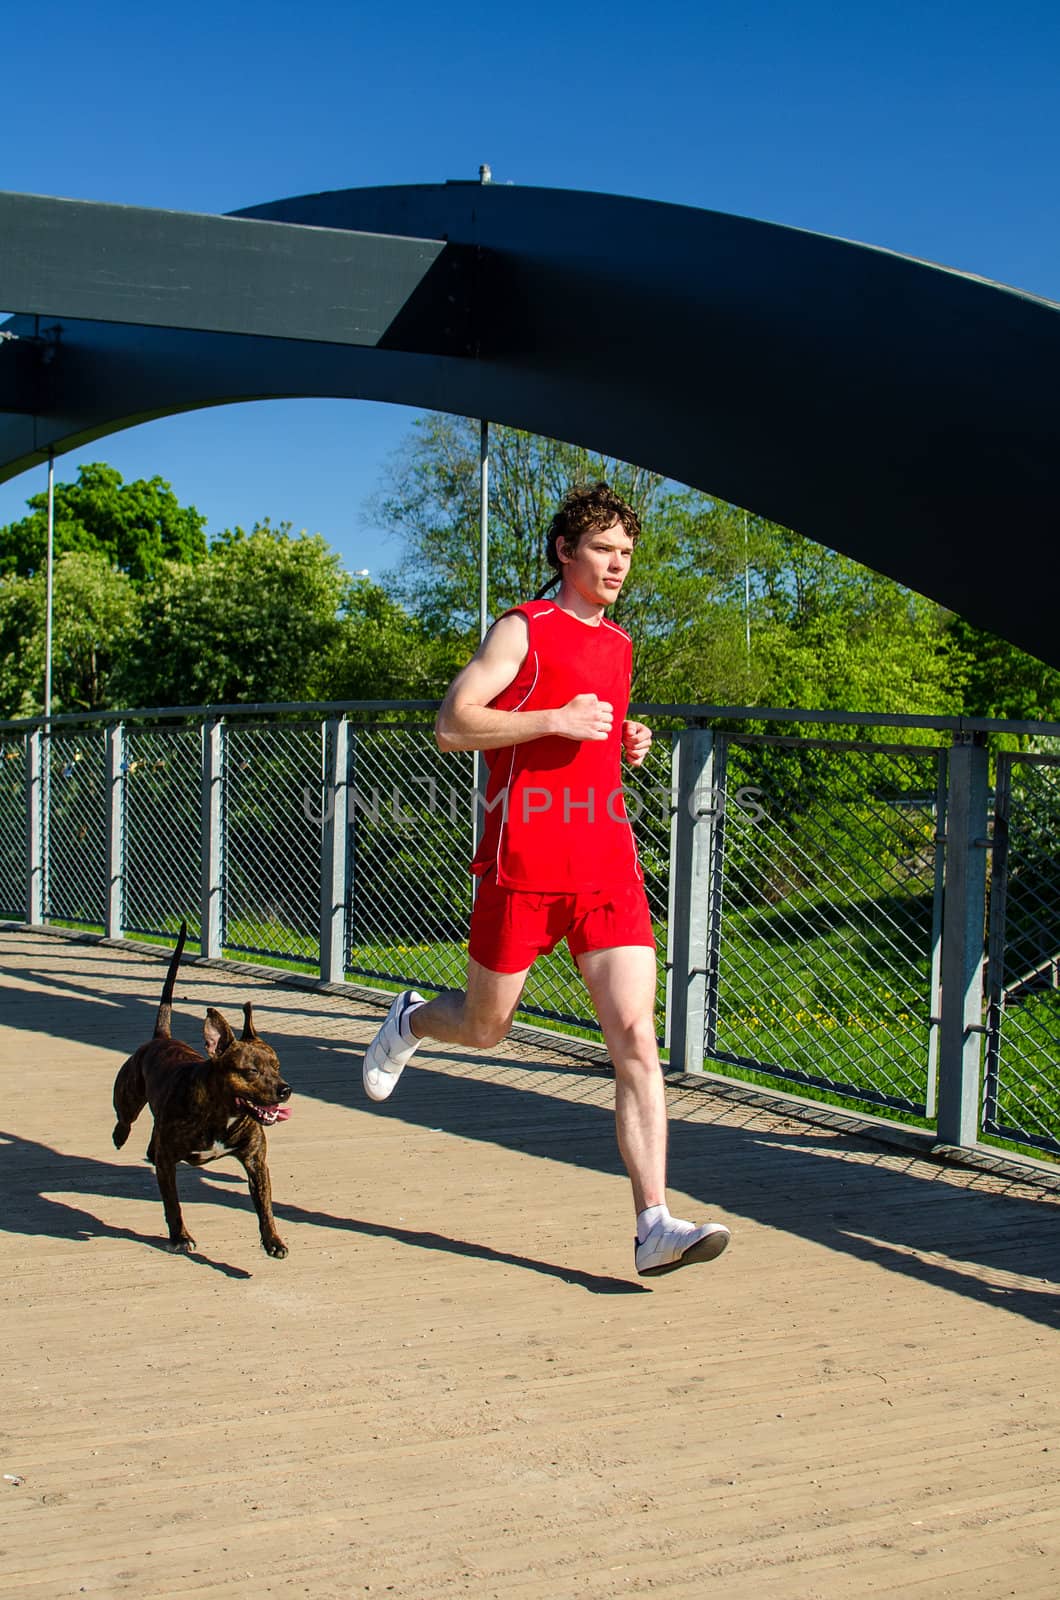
[{"x": 218, "y": 1148}]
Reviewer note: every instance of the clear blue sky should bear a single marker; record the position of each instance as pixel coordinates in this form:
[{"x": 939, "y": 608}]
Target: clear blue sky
[{"x": 928, "y": 126}]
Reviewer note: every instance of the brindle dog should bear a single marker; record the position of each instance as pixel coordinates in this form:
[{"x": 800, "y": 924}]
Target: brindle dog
[{"x": 204, "y": 1107}]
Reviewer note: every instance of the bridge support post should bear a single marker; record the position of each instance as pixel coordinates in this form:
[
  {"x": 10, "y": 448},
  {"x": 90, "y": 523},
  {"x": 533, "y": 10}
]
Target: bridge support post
[
  {"x": 334, "y": 840},
  {"x": 211, "y": 935},
  {"x": 694, "y": 818},
  {"x": 114, "y": 918},
  {"x": 35, "y": 827},
  {"x": 963, "y": 930}
]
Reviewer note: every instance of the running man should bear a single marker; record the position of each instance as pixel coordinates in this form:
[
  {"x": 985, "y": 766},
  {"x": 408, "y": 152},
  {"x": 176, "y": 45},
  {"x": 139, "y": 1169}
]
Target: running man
[{"x": 545, "y": 697}]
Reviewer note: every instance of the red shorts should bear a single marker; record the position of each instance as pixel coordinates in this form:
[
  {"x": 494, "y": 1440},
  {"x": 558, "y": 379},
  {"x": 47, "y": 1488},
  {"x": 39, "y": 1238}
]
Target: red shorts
[{"x": 510, "y": 928}]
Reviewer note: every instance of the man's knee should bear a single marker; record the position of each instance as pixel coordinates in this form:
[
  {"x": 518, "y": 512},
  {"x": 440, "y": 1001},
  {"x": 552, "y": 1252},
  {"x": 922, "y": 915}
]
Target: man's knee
[
  {"x": 634, "y": 1046},
  {"x": 482, "y": 1033}
]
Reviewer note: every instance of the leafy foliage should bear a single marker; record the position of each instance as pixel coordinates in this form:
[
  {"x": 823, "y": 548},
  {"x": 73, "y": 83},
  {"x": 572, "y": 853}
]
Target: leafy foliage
[
  {"x": 723, "y": 607},
  {"x": 432, "y": 504},
  {"x": 135, "y": 526},
  {"x": 1002, "y": 681},
  {"x": 673, "y": 603},
  {"x": 258, "y": 620},
  {"x": 94, "y": 618},
  {"x": 384, "y": 654}
]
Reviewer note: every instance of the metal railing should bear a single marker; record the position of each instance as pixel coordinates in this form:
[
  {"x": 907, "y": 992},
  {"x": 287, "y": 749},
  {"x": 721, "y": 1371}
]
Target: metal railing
[{"x": 822, "y": 884}]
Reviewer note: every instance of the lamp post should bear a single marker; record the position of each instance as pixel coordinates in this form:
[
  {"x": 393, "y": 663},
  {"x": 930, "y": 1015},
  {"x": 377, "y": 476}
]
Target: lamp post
[
  {"x": 49, "y": 582},
  {"x": 484, "y": 176},
  {"x": 46, "y": 742},
  {"x": 479, "y": 764},
  {"x": 483, "y": 527},
  {"x": 746, "y": 592}
]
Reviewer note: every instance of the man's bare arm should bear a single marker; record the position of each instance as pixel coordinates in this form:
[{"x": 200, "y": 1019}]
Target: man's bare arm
[{"x": 467, "y": 721}]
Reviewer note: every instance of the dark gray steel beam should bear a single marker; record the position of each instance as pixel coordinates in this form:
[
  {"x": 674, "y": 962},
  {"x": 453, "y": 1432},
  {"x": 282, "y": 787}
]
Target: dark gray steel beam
[
  {"x": 902, "y": 413},
  {"x": 112, "y": 377},
  {"x": 899, "y": 412},
  {"x": 64, "y": 259}
]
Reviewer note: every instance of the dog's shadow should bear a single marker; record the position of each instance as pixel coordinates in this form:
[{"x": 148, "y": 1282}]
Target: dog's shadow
[{"x": 39, "y": 1176}]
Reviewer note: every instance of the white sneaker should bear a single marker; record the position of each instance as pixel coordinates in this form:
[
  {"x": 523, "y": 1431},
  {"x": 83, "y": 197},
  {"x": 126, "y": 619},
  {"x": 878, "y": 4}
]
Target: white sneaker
[
  {"x": 388, "y": 1054},
  {"x": 672, "y": 1244}
]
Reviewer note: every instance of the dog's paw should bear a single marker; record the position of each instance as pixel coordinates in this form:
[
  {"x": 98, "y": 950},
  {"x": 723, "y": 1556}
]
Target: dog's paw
[
  {"x": 181, "y": 1247},
  {"x": 274, "y": 1247}
]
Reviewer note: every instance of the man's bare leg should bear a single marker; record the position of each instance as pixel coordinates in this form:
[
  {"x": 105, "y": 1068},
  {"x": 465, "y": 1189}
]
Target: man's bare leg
[
  {"x": 479, "y": 1017},
  {"x": 621, "y": 983}
]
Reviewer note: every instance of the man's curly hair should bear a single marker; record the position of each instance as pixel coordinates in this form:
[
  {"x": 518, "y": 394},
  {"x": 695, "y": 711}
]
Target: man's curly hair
[{"x": 585, "y": 506}]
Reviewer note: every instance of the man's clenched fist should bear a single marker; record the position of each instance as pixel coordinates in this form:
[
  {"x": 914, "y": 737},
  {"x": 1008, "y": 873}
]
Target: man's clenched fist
[{"x": 586, "y": 717}]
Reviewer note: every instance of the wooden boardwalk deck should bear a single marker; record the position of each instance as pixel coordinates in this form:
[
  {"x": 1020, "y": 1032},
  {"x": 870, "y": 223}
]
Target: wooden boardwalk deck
[{"x": 454, "y": 1385}]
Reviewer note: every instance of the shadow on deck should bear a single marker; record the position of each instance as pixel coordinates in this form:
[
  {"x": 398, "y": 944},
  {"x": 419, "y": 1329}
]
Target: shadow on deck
[{"x": 455, "y": 1377}]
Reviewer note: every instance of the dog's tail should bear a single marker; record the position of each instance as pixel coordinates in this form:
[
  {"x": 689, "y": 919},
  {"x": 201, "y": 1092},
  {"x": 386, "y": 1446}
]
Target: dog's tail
[{"x": 165, "y": 1010}]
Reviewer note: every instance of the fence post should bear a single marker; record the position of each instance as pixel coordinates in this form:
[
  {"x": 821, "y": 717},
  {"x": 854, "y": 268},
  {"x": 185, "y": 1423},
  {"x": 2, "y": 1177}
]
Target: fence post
[
  {"x": 113, "y": 916},
  {"x": 937, "y": 901},
  {"x": 691, "y": 831},
  {"x": 713, "y": 823},
  {"x": 211, "y": 936},
  {"x": 333, "y": 853},
  {"x": 963, "y": 925},
  {"x": 34, "y": 827},
  {"x": 995, "y": 951}
]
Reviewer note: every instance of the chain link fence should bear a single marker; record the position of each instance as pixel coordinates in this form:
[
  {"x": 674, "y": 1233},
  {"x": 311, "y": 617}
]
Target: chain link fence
[
  {"x": 797, "y": 883},
  {"x": 271, "y": 840},
  {"x": 411, "y": 822},
  {"x": 826, "y": 919},
  {"x": 1022, "y": 1087},
  {"x": 161, "y": 795},
  {"x": 75, "y": 828}
]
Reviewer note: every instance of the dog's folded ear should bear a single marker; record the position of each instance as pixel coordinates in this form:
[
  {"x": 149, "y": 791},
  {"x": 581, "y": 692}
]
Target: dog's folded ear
[
  {"x": 217, "y": 1033},
  {"x": 249, "y": 1031}
]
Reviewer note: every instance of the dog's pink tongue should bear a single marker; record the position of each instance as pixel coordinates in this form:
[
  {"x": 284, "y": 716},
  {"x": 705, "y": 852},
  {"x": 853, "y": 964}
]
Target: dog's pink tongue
[{"x": 282, "y": 1113}]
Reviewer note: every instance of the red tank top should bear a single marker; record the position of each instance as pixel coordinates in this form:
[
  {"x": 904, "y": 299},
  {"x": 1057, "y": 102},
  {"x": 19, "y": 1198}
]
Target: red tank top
[{"x": 555, "y": 818}]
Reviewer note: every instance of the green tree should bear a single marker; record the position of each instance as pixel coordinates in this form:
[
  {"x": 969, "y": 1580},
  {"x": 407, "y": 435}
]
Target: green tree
[
  {"x": 94, "y": 625},
  {"x": 136, "y": 526},
  {"x": 432, "y": 504},
  {"x": 723, "y": 606},
  {"x": 258, "y": 620},
  {"x": 683, "y": 603},
  {"x": 1003, "y": 681},
  {"x": 384, "y": 654},
  {"x": 832, "y": 634},
  {"x": 676, "y": 603}
]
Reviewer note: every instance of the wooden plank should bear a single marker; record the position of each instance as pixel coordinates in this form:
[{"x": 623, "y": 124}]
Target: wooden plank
[{"x": 454, "y": 1384}]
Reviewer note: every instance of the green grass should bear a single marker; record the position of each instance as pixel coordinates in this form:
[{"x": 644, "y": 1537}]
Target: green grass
[{"x": 1028, "y": 1091}]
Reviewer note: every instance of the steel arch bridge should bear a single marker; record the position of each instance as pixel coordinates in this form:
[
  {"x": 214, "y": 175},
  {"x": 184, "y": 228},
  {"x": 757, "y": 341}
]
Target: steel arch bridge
[{"x": 903, "y": 413}]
